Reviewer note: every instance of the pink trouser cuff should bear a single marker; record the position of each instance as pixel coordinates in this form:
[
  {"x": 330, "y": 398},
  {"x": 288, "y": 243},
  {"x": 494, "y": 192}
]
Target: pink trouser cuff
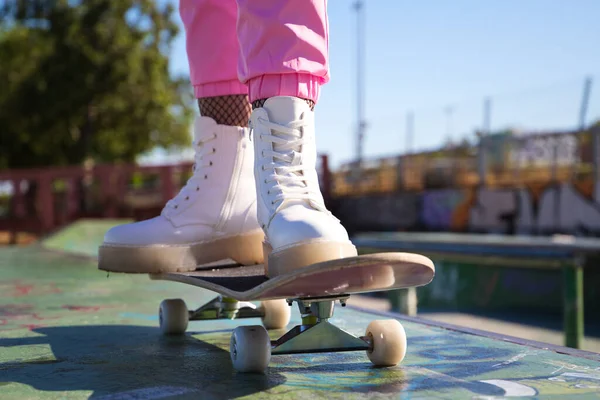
[
  {"x": 305, "y": 86},
  {"x": 223, "y": 88}
]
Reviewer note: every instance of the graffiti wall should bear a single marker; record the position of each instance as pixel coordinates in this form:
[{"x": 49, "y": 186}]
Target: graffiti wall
[
  {"x": 538, "y": 151},
  {"x": 441, "y": 209},
  {"x": 562, "y": 208},
  {"x": 381, "y": 212}
]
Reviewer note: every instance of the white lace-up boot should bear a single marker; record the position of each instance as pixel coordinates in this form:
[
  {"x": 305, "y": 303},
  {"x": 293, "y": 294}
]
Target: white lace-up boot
[
  {"x": 299, "y": 230},
  {"x": 212, "y": 218}
]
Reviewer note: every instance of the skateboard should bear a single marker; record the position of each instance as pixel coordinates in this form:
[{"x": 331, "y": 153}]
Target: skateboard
[{"x": 315, "y": 288}]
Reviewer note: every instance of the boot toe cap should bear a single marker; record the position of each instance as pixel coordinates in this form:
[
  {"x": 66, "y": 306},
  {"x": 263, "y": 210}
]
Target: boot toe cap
[
  {"x": 155, "y": 231},
  {"x": 136, "y": 233},
  {"x": 291, "y": 227},
  {"x": 158, "y": 231}
]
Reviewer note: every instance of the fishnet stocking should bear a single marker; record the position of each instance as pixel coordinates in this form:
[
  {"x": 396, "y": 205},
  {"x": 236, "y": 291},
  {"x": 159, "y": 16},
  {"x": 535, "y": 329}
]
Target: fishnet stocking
[
  {"x": 261, "y": 102},
  {"x": 231, "y": 110}
]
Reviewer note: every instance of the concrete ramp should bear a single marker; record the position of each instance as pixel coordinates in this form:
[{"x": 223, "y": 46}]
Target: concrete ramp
[
  {"x": 81, "y": 237},
  {"x": 70, "y": 331}
]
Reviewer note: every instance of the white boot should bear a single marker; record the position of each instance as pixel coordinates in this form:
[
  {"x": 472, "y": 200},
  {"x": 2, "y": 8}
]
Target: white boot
[
  {"x": 212, "y": 218},
  {"x": 299, "y": 230}
]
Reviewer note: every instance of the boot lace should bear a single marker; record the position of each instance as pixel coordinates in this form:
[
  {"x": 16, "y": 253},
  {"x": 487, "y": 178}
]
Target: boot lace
[
  {"x": 200, "y": 173},
  {"x": 286, "y": 166}
]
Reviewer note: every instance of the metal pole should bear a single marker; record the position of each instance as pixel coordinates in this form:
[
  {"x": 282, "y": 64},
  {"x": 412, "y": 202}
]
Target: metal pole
[
  {"x": 554, "y": 171},
  {"x": 587, "y": 88},
  {"x": 360, "y": 89},
  {"x": 487, "y": 115},
  {"x": 410, "y": 125},
  {"x": 481, "y": 161},
  {"x": 596, "y": 153},
  {"x": 485, "y": 130},
  {"x": 449, "y": 110}
]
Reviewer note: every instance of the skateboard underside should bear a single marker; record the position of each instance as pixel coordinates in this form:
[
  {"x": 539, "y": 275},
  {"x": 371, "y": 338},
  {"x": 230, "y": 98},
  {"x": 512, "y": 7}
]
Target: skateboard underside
[{"x": 365, "y": 273}]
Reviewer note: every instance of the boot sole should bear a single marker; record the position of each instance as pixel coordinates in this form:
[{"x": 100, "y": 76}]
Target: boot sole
[
  {"x": 284, "y": 261},
  {"x": 244, "y": 249}
]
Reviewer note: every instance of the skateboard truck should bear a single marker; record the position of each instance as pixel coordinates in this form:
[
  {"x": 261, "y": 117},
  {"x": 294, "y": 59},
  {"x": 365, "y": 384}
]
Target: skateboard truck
[
  {"x": 225, "y": 308},
  {"x": 317, "y": 334}
]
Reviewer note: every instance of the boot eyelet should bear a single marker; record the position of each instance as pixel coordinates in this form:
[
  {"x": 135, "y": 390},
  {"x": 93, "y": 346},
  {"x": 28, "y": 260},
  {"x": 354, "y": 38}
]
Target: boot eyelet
[
  {"x": 187, "y": 197},
  {"x": 176, "y": 207},
  {"x": 197, "y": 188},
  {"x": 214, "y": 150},
  {"x": 211, "y": 163},
  {"x": 205, "y": 176}
]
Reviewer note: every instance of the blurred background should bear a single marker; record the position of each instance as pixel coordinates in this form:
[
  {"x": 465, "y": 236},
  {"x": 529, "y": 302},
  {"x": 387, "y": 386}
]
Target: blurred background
[{"x": 448, "y": 117}]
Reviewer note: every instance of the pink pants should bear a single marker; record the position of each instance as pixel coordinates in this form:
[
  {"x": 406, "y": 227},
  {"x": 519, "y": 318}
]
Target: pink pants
[{"x": 281, "y": 47}]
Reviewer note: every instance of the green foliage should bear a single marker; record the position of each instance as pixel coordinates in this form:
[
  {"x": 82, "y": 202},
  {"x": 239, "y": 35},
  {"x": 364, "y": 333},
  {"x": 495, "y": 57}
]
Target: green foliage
[{"x": 88, "y": 80}]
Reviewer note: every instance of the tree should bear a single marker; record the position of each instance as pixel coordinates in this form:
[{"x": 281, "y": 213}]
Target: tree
[{"x": 88, "y": 80}]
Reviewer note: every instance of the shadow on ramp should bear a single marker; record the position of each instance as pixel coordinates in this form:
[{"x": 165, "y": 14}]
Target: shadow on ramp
[{"x": 120, "y": 361}]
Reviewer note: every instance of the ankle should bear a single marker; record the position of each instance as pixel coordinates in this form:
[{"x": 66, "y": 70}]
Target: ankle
[
  {"x": 233, "y": 110},
  {"x": 261, "y": 102}
]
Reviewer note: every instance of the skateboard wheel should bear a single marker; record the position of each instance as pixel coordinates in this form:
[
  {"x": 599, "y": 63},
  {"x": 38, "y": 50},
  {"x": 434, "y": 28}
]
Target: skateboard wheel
[
  {"x": 250, "y": 349},
  {"x": 276, "y": 313},
  {"x": 173, "y": 317},
  {"x": 388, "y": 340}
]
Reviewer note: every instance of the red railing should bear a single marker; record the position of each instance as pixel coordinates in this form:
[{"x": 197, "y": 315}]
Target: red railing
[{"x": 43, "y": 199}]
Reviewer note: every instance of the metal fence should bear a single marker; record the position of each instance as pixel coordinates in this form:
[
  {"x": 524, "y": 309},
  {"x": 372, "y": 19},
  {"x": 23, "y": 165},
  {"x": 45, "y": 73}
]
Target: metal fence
[{"x": 501, "y": 160}]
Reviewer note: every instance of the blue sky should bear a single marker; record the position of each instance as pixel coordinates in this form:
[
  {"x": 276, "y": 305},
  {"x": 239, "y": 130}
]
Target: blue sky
[{"x": 530, "y": 56}]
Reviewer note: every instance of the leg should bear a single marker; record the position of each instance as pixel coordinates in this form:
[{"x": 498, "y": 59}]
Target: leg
[
  {"x": 573, "y": 303},
  {"x": 284, "y": 61},
  {"x": 285, "y": 48},
  {"x": 214, "y": 216},
  {"x": 404, "y": 301},
  {"x": 212, "y": 49}
]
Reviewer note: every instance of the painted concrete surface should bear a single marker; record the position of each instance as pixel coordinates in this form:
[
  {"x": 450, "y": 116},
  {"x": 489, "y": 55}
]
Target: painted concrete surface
[
  {"x": 68, "y": 330},
  {"x": 528, "y": 326},
  {"x": 81, "y": 237}
]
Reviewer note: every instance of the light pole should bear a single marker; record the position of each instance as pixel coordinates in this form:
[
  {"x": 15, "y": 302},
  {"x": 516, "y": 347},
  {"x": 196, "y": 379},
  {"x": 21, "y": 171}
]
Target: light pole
[
  {"x": 410, "y": 129},
  {"x": 361, "y": 124},
  {"x": 487, "y": 115},
  {"x": 449, "y": 111},
  {"x": 587, "y": 88}
]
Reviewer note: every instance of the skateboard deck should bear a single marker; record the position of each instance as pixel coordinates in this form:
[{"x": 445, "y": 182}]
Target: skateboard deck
[{"x": 364, "y": 273}]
